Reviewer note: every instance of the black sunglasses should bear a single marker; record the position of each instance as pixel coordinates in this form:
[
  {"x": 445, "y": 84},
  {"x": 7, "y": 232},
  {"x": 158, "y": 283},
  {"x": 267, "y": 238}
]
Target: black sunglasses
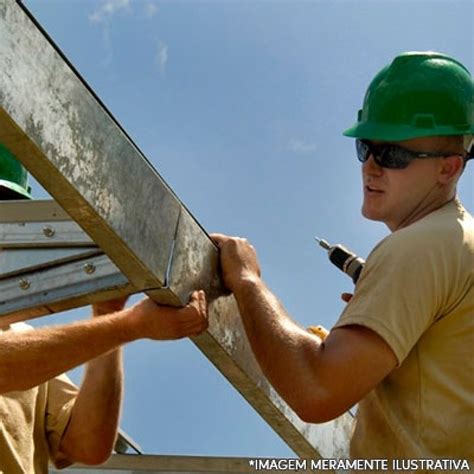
[{"x": 392, "y": 156}]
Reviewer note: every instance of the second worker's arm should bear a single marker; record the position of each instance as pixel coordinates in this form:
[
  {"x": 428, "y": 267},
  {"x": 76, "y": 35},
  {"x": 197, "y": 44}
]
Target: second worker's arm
[
  {"x": 30, "y": 358},
  {"x": 92, "y": 429}
]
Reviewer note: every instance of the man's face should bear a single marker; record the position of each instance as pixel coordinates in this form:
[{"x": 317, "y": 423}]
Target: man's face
[{"x": 399, "y": 197}]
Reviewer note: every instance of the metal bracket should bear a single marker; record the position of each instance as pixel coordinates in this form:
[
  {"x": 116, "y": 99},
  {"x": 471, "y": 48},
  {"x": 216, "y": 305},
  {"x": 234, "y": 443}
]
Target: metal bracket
[{"x": 49, "y": 264}]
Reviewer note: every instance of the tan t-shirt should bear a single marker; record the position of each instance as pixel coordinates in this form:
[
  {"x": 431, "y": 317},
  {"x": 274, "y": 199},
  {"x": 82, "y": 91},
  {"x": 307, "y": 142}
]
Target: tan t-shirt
[
  {"x": 32, "y": 423},
  {"x": 416, "y": 291}
]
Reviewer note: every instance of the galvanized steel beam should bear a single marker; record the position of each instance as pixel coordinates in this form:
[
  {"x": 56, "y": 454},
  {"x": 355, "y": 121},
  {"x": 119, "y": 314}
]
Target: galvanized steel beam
[
  {"x": 128, "y": 464},
  {"x": 49, "y": 264},
  {"x": 227, "y": 347},
  {"x": 59, "y": 129},
  {"x": 59, "y": 288},
  {"x": 32, "y": 211}
]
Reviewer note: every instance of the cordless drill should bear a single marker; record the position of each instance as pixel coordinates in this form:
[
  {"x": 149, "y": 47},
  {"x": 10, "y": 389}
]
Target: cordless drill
[{"x": 343, "y": 258}]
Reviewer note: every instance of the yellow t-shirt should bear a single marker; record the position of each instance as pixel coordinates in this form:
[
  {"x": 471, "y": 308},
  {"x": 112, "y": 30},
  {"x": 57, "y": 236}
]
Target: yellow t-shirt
[
  {"x": 32, "y": 423},
  {"x": 416, "y": 291}
]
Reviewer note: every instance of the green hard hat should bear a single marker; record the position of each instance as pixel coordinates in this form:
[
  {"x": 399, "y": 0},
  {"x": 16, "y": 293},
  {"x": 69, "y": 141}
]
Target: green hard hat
[
  {"x": 13, "y": 177},
  {"x": 420, "y": 94}
]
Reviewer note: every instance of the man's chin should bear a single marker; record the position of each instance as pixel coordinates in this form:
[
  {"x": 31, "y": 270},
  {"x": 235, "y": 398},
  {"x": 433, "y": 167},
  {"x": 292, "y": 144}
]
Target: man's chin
[{"x": 371, "y": 214}]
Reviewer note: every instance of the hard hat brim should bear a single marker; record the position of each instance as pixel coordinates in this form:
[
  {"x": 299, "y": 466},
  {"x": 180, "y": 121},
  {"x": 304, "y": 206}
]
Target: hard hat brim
[
  {"x": 396, "y": 133},
  {"x": 15, "y": 189}
]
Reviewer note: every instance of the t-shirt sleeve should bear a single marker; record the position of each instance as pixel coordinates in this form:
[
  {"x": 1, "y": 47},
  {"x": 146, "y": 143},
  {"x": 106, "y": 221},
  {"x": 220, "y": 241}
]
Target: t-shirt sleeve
[
  {"x": 399, "y": 292},
  {"x": 61, "y": 397}
]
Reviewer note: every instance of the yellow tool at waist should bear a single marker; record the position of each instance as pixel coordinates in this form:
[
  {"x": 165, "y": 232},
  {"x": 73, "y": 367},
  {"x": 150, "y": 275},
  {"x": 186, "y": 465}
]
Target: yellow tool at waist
[{"x": 320, "y": 331}]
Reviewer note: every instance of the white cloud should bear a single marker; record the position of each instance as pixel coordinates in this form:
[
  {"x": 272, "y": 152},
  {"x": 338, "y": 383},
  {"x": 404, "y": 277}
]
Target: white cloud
[
  {"x": 161, "y": 56},
  {"x": 150, "y": 10},
  {"x": 299, "y": 146},
  {"x": 108, "y": 9},
  {"x": 103, "y": 16}
]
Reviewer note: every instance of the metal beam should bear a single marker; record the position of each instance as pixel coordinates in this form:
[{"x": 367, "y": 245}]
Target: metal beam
[
  {"x": 32, "y": 211},
  {"x": 127, "y": 464},
  {"x": 49, "y": 264},
  {"x": 55, "y": 289},
  {"x": 53, "y": 122},
  {"x": 226, "y": 345},
  {"x": 56, "y": 126}
]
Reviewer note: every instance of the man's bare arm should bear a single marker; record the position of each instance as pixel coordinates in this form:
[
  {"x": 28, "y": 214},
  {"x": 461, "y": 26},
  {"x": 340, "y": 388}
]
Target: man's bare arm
[
  {"x": 30, "y": 358},
  {"x": 92, "y": 429},
  {"x": 319, "y": 380}
]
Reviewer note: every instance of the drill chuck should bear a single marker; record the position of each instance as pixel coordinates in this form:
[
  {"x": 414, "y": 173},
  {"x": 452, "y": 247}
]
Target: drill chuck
[{"x": 344, "y": 259}]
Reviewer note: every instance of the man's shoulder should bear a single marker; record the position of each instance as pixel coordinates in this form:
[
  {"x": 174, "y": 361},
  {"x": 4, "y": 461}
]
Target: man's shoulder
[{"x": 445, "y": 229}]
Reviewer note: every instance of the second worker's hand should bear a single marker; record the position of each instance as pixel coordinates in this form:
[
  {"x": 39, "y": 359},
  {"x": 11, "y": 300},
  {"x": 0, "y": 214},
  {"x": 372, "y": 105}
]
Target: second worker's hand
[
  {"x": 238, "y": 260},
  {"x": 153, "y": 321}
]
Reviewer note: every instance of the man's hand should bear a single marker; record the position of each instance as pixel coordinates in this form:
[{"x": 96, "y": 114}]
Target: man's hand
[
  {"x": 165, "y": 322},
  {"x": 238, "y": 260}
]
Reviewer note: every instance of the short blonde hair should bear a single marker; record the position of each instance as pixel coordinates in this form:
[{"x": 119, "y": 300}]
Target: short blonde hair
[{"x": 451, "y": 144}]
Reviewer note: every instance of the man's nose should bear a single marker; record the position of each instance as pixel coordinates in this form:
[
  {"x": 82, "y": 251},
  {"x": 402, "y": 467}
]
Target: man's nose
[{"x": 370, "y": 167}]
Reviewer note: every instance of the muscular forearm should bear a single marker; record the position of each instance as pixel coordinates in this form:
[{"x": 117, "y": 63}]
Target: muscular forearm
[
  {"x": 287, "y": 354},
  {"x": 90, "y": 439},
  {"x": 319, "y": 380},
  {"x": 30, "y": 358}
]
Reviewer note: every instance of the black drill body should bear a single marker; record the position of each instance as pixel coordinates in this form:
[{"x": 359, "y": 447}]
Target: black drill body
[{"x": 344, "y": 259}]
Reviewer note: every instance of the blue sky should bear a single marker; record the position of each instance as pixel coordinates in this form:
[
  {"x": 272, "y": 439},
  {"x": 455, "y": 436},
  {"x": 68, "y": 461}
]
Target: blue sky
[{"x": 240, "y": 106}]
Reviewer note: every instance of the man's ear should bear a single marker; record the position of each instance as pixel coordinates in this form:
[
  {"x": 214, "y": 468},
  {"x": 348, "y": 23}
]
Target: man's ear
[{"x": 450, "y": 168}]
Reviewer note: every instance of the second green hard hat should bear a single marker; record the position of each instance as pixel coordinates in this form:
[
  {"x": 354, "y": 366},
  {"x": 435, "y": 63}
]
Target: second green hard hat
[
  {"x": 13, "y": 177},
  {"x": 420, "y": 94}
]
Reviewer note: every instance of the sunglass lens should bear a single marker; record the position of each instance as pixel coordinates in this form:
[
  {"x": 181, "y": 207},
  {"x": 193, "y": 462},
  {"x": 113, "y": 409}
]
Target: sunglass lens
[
  {"x": 363, "y": 151},
  {"x": 394, "y": 157},
  {"x": 386, "y": 156}
]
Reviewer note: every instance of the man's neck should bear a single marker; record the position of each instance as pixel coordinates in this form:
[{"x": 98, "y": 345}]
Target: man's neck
[{"x": 420, "y": 211}]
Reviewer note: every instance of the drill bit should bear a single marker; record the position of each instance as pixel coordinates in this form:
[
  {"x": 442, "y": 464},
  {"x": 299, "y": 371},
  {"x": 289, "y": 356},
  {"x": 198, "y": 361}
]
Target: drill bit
[{"x": 323, "y": 243}]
